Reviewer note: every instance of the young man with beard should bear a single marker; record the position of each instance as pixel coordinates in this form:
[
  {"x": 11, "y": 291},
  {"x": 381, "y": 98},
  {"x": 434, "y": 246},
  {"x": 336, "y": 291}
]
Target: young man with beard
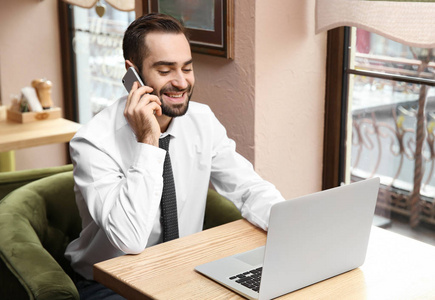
[{"x": 119, "y": 167}]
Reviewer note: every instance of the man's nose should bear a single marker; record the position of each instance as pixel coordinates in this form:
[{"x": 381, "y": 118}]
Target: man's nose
[{"x": 180, "y": 81}]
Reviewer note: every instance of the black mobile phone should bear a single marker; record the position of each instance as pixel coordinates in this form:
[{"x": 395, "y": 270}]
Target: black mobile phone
[{"x": 130, "y": 77}]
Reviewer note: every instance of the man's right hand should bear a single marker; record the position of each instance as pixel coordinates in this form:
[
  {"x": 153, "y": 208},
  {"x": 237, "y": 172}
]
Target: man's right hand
[{"x": 140, "y": 111}]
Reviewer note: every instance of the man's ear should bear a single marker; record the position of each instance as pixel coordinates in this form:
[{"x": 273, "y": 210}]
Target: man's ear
[{"x": 128, "y": 64}]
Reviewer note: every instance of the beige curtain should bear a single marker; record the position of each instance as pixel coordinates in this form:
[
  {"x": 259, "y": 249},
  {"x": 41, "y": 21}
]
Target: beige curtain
[
  {"x": 408, "y": 22},
  {"x": 124, "y": 5}
]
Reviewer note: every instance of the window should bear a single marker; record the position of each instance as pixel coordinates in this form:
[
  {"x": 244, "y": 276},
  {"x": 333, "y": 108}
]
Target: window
[
  {"x": 387, "y": 124},
  {"x": 98, "y": 63}
]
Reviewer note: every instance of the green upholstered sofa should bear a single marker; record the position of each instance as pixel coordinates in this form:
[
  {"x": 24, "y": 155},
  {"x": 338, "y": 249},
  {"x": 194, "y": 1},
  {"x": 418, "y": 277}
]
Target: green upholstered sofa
[{"x": 38, "y": 218}]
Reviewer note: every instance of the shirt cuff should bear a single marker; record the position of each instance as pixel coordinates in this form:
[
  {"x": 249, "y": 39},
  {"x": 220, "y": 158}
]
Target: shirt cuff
[{"x": 149, "y": 157}]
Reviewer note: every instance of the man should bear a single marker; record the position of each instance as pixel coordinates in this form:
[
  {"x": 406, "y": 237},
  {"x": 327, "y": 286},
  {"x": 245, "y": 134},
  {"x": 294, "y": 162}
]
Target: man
[{"x": 119, "y": 167}]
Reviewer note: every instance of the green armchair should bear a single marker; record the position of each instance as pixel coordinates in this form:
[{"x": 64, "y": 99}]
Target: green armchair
[
  {"x": 10, "y": 181},
  {"x": 39, "y": 219}
]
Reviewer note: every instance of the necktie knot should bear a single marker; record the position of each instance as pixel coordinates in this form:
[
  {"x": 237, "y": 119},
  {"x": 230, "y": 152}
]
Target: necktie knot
[{"x": 164, "y": 142}]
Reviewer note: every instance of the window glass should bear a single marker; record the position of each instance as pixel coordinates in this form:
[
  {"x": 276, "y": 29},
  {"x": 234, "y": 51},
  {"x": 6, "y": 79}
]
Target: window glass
[
  {"x": 373, "y": 52},
  {"x": 391, "y": 113},
  {"x": 97, "y": 45}
]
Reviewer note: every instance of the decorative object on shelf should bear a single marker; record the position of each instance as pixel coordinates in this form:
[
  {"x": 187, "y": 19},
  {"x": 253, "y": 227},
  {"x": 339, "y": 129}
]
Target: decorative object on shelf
[
  {"x": 30, "y": 100},
  {"x": 26, "y": 117},
  {"x": 43, "y": 89},
  {"x": 35, "y": 104}
]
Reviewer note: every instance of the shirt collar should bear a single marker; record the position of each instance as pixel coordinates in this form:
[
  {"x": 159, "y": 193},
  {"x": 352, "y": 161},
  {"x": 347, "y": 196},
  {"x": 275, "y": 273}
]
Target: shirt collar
[{"x": 175, "y": 127}]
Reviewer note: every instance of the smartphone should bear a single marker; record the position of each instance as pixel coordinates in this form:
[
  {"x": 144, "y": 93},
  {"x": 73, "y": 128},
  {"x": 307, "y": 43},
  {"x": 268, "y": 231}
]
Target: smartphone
[{"x": 130, "y": 77}]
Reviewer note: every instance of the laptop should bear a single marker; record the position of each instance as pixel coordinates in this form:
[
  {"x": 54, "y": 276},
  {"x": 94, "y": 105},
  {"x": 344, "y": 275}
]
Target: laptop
[{"x": 310, "y": 239}]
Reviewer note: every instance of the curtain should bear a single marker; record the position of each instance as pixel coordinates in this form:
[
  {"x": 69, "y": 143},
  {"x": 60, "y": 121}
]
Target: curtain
[
  {"x": 124, "y": 5},
  {"x": 409, "y": 22}
]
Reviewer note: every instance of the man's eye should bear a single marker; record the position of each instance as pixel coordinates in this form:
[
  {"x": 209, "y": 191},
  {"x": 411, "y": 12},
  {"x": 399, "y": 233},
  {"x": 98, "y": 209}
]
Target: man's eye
[
  {"x": 163, "y": 72},
  {"x": 187, "y": 70}
]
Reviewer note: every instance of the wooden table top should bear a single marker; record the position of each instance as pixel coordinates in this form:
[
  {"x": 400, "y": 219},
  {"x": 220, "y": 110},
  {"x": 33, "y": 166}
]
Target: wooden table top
[
  {"x": 14, "y": 136},
  {"x": 396, "y": 267}
]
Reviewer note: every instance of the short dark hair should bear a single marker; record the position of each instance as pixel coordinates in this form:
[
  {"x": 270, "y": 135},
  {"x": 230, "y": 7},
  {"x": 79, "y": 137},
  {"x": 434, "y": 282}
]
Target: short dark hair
[{"x": 133, "y": 44}]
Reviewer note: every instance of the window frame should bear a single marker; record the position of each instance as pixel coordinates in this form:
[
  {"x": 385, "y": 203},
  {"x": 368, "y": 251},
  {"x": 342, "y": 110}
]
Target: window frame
[
  {"x": 335, "y": 125},
  {"x": 69, "y": 71},
  {"x": 335, "y": 108}
]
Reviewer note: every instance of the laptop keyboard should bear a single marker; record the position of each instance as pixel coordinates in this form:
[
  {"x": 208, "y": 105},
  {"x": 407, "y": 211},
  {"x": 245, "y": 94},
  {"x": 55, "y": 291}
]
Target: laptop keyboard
[{"x": 250, "y": 279}]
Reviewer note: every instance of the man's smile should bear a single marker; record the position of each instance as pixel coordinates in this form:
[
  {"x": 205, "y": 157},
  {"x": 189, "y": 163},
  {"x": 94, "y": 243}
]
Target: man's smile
[{"x": 175, "y": 98}]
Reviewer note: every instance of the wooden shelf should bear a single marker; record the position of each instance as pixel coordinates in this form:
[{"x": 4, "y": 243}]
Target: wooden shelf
[
  {"x": 14, "y": 136},
  {"x": 27, "y": 117}
]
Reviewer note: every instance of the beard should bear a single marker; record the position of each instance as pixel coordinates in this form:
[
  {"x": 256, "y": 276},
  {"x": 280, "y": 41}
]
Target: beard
[{"x": 175, "y": 110}]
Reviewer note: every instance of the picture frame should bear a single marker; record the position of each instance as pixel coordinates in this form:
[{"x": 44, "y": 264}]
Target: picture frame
[{"x": 210, "y": 23}]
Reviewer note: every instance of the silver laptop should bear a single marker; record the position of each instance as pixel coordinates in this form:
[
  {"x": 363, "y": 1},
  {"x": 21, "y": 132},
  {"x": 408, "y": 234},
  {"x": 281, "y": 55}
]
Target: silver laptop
[{"x": 310, "y": 239}]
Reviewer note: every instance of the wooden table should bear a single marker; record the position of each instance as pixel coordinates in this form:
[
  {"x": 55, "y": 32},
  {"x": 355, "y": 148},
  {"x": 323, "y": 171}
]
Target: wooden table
[
  {"x": 396, "y": 267},
  {"x": 14, "y": 136}
]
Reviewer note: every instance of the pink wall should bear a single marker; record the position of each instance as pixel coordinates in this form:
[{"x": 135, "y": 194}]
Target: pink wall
[
  {"x": 228, "y": 86},
  {"x": 289, "y": 95},
  {"x": 30, "y": 49}
]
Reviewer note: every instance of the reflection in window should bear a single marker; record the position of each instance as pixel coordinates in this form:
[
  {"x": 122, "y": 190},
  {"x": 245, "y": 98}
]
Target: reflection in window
[{"x": 97, "y": 45}]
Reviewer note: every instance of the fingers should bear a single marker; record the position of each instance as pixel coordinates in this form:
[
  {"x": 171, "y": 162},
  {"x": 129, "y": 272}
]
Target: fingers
[
  {"x": 139, "y": 98},
  {"x": 140, "y": 112},
  {"x": 148, "y": 105},
  {"x": 130, "y": 95},
  {"x": 157, "y": 108}
]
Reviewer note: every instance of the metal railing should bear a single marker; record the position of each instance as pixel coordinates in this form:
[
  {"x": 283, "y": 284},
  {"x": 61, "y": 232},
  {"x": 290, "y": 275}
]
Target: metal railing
[{"x": 398, "y": 136}]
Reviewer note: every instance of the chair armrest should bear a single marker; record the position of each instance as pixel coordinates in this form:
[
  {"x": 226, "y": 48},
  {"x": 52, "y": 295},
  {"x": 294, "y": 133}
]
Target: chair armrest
[
  {"x": 23, "y": 257},
  {"x": 10, "y": 181},
  {"x": 19, "y": 252},
  {"x": 219, "y": 210}
]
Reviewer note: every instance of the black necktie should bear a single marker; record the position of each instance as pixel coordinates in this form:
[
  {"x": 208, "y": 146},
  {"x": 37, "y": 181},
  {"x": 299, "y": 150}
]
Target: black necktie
[{"x": 168, "y": 204}]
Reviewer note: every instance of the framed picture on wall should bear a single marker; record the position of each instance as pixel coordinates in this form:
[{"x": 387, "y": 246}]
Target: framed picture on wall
[{"x": 210, "y": 23}]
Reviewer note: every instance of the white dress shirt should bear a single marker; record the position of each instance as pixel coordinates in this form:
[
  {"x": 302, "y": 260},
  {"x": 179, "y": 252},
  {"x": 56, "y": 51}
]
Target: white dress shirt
[{"x": 118, "y": 182}]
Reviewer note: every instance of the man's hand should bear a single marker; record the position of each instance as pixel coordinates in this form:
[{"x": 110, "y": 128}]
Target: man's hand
[{"x": 140, "y": 111}]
